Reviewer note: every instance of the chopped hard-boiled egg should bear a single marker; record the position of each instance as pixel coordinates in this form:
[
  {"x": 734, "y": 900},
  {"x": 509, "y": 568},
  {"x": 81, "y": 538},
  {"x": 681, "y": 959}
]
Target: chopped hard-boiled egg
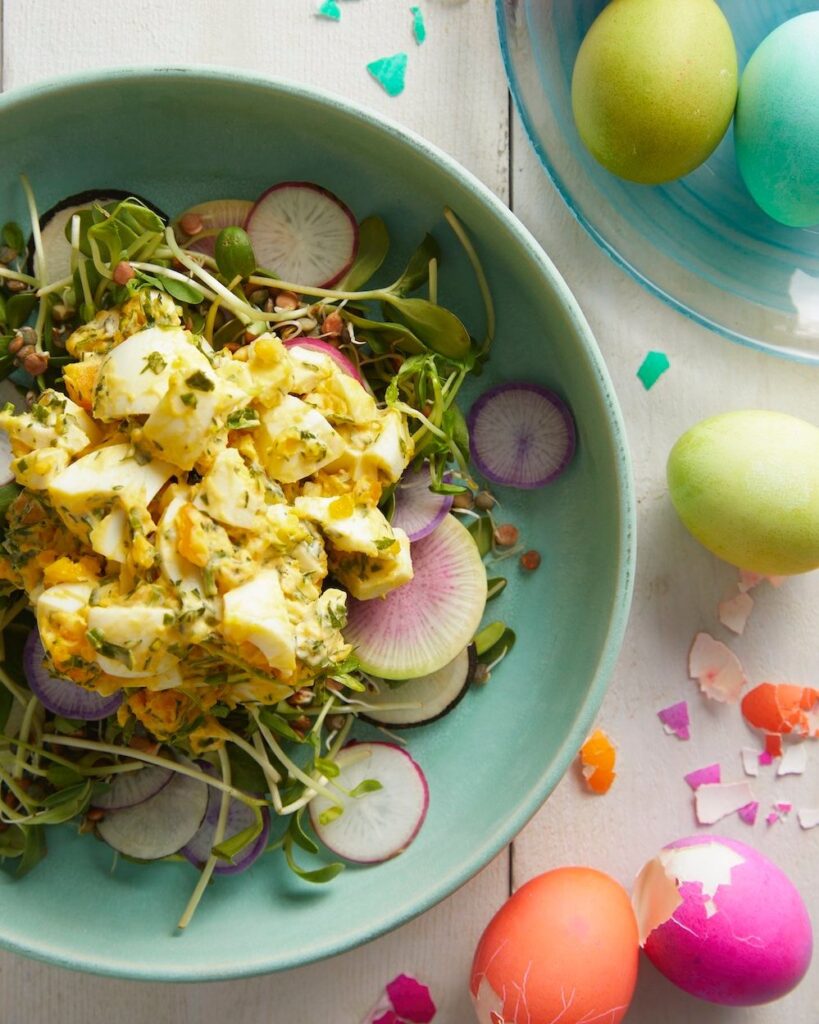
[
  {"x": 256, "y": 613},
  {"x": 229, "y": 492},
  {"x": 131, "y": 640},
  {"x": 295, "y": 440},
  {"x": 53, "y": 421},
  {"x": 350, "y": 526},
  {"x": 366, "y": 577}
]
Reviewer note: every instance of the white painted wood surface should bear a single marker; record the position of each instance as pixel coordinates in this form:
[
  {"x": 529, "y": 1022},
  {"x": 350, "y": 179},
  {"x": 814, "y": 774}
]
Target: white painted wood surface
[{"x": 456, "y": 96}]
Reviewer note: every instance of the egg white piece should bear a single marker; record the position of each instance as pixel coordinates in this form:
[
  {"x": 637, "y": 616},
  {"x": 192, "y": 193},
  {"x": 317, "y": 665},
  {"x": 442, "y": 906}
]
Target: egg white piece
[{"x": 256, "y": 613}]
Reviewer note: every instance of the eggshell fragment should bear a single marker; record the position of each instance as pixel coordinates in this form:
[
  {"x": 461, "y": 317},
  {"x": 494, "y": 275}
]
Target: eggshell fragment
[
  {"x": 710, "y": 774},
  {"x": 597, "y": 759},
  {"x": 734, "y": 612},
  {"x": 716, "y": 668},
  {"x": 716, "y": 801},
  {"x": 794, "y": 760},
  {"x": 750, "y": 761},
  {"x": 563, "y": 948},
  {"x": 782, "y": 709},
  {"x": 808, "y": 818},
  {"x": 703, "y": 925}
]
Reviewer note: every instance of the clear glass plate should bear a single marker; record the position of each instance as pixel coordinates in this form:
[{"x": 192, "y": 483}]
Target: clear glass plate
[{"x": 700, "y": 243}]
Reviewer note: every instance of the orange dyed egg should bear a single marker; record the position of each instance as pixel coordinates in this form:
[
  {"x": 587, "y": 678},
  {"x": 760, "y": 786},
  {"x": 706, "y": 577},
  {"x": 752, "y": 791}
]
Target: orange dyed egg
[{"x": 564, "y": 947}]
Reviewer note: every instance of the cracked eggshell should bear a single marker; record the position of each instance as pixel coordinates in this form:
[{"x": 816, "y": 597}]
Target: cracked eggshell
[
  {"x": 722, "y": 921},
  {"x": 564, "y": 947}
]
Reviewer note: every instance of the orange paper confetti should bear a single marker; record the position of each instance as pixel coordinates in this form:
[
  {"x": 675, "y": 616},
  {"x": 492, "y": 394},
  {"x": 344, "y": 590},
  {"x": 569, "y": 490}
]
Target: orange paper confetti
[{"x": 597, "y": 757}]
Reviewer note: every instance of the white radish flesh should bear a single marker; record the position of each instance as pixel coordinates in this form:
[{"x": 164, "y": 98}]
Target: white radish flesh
[
  {"x": 421, "y": 626},
  {"x": 303, "y": 233},
  {"x": 161, "y": 825},
  {"x": 378, "y": 825},
  {"x": 131, "y": 788},
  {"x": 433, "y": 695}
]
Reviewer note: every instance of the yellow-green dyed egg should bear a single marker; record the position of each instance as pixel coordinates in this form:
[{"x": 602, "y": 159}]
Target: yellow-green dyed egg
[
  {"x": 746, "y": 485},
  {"x": 654, "y": 86},
  {"x": 777, "y": 125}
]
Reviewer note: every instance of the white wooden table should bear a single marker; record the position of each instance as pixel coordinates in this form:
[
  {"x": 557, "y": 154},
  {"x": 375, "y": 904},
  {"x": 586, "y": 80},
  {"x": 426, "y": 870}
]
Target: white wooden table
[{"x": 456, "y": 96}]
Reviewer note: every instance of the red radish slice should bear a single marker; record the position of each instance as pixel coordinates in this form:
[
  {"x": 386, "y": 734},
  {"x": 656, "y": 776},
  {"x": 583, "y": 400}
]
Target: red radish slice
[
  {"x": 418, "y": 510},
  {"x": 161, "y": 825},
  {"x": 6, "y": 475},
  {"x": 61, "y": 696},
  {"x": 318, "y": 345},
  {"x": 435, "y": 695},
  {"x": 420, "y": 627},
  {"x": 303, "y": 233},
  {"x": 240, "y": 817},
  {"x": 378, "y": 825},
  {"x": 132, "y": 788},
  {"x": 521, "y": 435},
  {"x": 214, "y": 215}
]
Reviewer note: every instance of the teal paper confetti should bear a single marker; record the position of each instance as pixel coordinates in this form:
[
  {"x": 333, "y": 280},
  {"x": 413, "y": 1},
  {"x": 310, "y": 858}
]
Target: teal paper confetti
[
  {"x": 329, "y": 9},
  {"x": 652, "y": 368},
  {"x": 389, "y": 72},
  {"x": 419, "y": 29}
]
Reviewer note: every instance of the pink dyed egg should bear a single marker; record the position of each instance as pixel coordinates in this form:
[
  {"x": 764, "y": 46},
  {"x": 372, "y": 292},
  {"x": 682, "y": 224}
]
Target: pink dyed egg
[{"x": 722, "y": 921}]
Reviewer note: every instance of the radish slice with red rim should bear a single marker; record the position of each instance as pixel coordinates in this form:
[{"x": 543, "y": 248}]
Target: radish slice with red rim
[
  {"x": 434, "y": 695},
  {"x": 375, "y": 825},
  {"x": 521, "y": 435},
  {"x": 420, "y": 627},
  {"x": 161, "y": 825},
  {"x": 418, "y": 510},
  {"x": 214, "y": 215},
  {"x": 131, "y": 788},
  {"x": 240, "y": 817},
  {"x": 61, "y": 696},
  {"x": 329, "y": 350},
  {"x": 303, "y": 233}
]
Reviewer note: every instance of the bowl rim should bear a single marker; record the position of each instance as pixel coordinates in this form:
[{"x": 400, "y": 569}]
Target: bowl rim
[
  {"x": 625, "y": 506},
  {"x": 702, "y": 319}
]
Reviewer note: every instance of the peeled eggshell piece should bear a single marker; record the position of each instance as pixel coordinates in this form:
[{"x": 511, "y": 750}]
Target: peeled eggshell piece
[
  {"x": 808, "y": 817},
  {"x": 718, "y": 800},
  {"x": 794, "y": 760},
  {"x": 703, "y": 925},
  {"x": 716, "y": 668},
  {"x": 750, "y": 761},
  {"x": 734, "y": 612}
]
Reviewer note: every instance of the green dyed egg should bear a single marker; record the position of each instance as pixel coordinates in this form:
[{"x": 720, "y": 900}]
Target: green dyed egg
[
  {"x": 777, "y": 124},
  {"x": 746, "y": 485},
  {"x": 654, "y": 86}
]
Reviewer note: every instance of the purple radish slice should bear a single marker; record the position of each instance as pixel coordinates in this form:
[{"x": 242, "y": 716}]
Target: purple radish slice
[
  {"x": 419, "y": 627},
  {"x": 435, "y": 694},
  {"x": 131, "y": 788},
  {"x": 214, "y": 215},
  {"x": 318, "y": 345},
  {"x": 161, "y": 825},
  {"x": 303, "y": 233},
  {"x": 380, "y": 824},
  {"x": 61, "y": 696},
  {"x": 521, "y": 435},
  {"x": 418, "y": 510},
  {"x": 6, "y": 475},
  {"x": 240, "y": 817}
]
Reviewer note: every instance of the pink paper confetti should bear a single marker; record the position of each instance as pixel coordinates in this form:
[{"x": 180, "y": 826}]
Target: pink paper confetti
[
  {"x": 750, "y": 760},
  {"x": 704, "y": 776},
  {"x": 716, "y": 668},
  {"x": 808, "y": 817},
  {"x": 390, "y": 1017},
  {"x": 734, "y": 612},
  {"x": 766, "y": 758},
  {"x": 794, "y": 760},
  {"x": 675, "y": 720},
  {"x": 783, "y": 806},
  {"x": 772, "y": 818},
  {"x": 749, "y": 812},
  {"x": 411, "y": 1000},
  {"x": 716, "y": 801}
]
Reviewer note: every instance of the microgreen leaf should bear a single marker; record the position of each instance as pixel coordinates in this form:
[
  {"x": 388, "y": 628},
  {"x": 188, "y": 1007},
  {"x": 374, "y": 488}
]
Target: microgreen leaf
[
  {"x": 330, "y": 815},
  {"x": 230, "y": 848},
  {"x": 278, "y": 725},
  {"x": 19, "y": 308},
  {"x": 318, "y": 876},
  {"x": 329, "y": 769},
  {"x": 488, "y": 637},
  {"x": 417, "y": 270},
  {"x": 12, "y": 841},
  {"x": 437, "y": 327},
  {"x": 366, "y": 786},
  {"x": 494, "y": 587},
  {"x": 500, "y": 649},
  {"x": 295, "y": 831},
  {"x": 373, "y": 246},
  {"x": 481, "y": 530},
  {"x": 13, "y": 236},
  {"x": 181, "y": 290},
  {"x": 34, "y": 849},
  {"x": 234, "y": 253},
  {"x": 246, "y": 774},
  {"x": 398, "y": 335}
]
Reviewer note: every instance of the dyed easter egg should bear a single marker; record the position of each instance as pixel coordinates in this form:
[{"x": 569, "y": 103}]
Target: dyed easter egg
[
  {"x": 722, "y": 921},
  {"x": 564, "y": 947},
  {"x": 777, "y": 122}
]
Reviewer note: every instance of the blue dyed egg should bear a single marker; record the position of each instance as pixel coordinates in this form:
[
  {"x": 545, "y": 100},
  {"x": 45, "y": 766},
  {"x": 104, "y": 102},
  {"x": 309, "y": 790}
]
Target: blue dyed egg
[{"x": 777, "y": 122}]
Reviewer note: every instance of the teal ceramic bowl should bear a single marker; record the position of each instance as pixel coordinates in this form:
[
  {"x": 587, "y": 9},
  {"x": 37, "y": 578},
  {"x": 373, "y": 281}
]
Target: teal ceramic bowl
[{"x": 179, "y": 137}]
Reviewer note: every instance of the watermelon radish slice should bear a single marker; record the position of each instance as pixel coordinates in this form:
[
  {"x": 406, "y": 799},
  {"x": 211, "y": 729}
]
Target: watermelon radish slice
[
  {"x": 240, "y": 817},
  {"x": 418, "y": 510},
  {"x": 325, "y": 348},
  {"x": 435, "y": 694},
  {"x": 303, "y": 233},
  {"x": 378, "y": 825},
  {"x": 420, "y": 627},
  {"x": 62, "y": 696},
  {"x": 214, "y": 215},
  {"x": 161, "y": 825},
  {"x": 521, "y": 435},
  {"x": 132, "y": 788}
]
